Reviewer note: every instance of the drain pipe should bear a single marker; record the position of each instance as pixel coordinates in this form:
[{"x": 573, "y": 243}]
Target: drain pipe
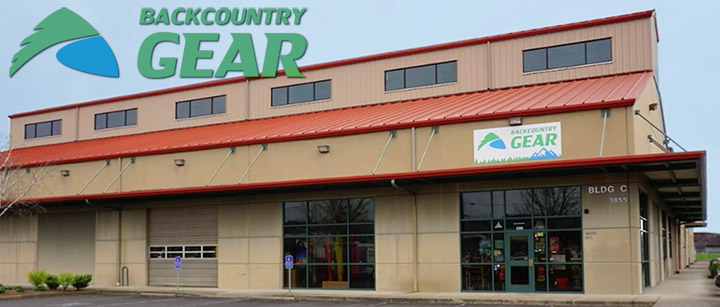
[
  {"x": 415, "y": 231},
  {"x": 119, "y": 253}
]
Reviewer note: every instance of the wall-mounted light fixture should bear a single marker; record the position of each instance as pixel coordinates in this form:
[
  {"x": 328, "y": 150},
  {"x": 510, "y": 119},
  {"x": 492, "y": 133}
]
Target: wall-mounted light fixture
[
  {"x": 179, "y": 162},
  {"x": 323, "y": 149},
  {"x": 65, "y": 172},
  {"x": 515, "y": 121}
]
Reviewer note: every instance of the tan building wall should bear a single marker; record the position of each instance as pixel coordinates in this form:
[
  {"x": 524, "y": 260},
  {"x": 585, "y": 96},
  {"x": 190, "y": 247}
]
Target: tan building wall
[
  {"x": 107, "y": 247},
  {"x": 66, "y": 242},
  {"x": 493, "y": 65},
  {"x": 250, "y": 236},
  {"x": 18, "y": 248},
  {"x": 295, "y": 160}
]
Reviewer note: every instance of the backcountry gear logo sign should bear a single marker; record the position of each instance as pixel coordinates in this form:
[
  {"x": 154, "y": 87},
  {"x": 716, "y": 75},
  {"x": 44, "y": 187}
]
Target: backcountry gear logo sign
[{"x": 89, "y": 53}]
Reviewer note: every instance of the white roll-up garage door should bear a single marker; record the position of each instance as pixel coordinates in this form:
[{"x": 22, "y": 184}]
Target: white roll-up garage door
[{"x": 188, "y": 232}]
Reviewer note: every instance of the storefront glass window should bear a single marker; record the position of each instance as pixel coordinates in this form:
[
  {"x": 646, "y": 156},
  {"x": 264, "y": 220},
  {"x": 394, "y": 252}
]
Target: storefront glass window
[
  {"x": 332, "y": 242},
  {"x": 547, "y": 218}
]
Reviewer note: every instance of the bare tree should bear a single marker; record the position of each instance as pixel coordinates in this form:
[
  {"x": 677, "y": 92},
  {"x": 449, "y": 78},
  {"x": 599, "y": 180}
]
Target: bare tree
[{"x": 16, "y": 183}]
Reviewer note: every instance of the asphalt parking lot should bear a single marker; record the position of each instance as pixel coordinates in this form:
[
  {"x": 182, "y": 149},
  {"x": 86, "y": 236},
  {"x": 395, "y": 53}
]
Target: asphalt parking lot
[{"x": 135, "y": 300}]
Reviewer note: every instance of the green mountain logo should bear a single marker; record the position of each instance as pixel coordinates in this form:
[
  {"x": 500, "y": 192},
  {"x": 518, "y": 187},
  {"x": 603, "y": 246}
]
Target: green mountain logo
[
  {"x": 90, "y": 53},
  {"x": 494, "y": 141}
]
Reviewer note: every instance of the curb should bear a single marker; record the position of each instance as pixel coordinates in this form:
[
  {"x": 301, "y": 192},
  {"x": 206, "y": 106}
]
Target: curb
[
  {"x": 636, "y": 302},
  {"x": 35, "y": 294}
]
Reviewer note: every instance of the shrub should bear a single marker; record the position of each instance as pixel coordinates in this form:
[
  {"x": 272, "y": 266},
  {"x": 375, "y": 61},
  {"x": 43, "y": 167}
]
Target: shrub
[
  {"x": 2, "y": 289},
  {"x": 81, "y": 281},
  {"x": 40, "y": 288},
  {"x": 37, "y": 278},
  {"x": 66, "y": 279},
  {"x": 52, "y": 282},
  {"x": 19, "y": 289}
]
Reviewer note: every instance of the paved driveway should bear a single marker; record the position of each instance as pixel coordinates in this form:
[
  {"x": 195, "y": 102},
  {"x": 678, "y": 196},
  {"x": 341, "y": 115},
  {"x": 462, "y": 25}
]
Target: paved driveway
[{"x": 134, "y": 300}]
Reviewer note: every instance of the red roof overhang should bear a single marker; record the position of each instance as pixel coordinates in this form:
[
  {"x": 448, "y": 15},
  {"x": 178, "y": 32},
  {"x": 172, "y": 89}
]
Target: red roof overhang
[
  {"x": 558, "y": 97},
  {"x": 638, "y": 163}
]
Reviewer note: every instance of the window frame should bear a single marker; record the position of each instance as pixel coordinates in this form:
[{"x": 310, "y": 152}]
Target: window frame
[
  {"x": 52, "y": 123},
  {"x": 546, "y": 230},
  {"x": 404, "y": 73},
  {"x": 585, "y": 55},
  {"x": 190, "y": 105},
  {"x": 202, "y": 251},
  {"x": 307, "y": 236},
  {"x": 107, "y": 119},
  {"x": 287, "y": 93}
]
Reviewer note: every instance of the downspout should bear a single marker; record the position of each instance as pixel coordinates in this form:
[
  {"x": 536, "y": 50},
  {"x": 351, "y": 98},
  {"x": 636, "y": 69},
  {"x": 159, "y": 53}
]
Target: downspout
[
  {"x": 119, "y": 253},
  {"x": 414, "y": 229}
]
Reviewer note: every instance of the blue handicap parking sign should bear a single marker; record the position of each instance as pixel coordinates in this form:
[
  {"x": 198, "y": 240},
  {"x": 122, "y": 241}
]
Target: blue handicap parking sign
[
  {"x": 289, "y": 262},
  {"x": 177, "y": 262}
]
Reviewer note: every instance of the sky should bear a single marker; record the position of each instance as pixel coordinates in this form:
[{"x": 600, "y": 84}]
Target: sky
[{"x": 338, "y": 30}]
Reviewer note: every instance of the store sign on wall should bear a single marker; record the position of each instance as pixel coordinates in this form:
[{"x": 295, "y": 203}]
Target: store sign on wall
[{"x": 519, "y": 143}]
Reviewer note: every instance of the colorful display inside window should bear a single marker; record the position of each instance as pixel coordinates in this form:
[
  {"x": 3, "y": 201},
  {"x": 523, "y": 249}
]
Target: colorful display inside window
[
  {"x": 522, "y": 240},
  {"x": 332, "y": 243}
]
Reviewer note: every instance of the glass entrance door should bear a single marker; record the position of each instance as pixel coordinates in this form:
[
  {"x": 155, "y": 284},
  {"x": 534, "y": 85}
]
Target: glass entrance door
[{"x": 519, "y": 262}]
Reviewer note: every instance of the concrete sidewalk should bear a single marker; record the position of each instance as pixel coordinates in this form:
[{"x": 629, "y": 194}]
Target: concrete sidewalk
[{"x": 690, "y": 286}]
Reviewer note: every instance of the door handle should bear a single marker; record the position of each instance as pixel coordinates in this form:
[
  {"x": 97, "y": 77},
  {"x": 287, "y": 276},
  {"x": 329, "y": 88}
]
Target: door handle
[{"x": 530, "y": 262}]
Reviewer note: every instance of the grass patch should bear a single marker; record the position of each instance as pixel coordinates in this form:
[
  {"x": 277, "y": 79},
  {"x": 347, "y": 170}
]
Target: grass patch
[{"x": 706, "y": 256}]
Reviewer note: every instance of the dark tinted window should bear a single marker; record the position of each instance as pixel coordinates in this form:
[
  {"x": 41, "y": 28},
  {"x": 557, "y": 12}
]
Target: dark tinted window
[
  {"x": 43, "y": 129},
  {"x": 279, "y": 96},
  {"x": 218, "y": 105},
  {"x": 100, "y": 121},
  {"x": 116, "y": 119},
  {"x": 447, "y": 72},
  {"x": 182, "y": 110},
  {"x": 476, "y": 205},
  {"x": 200, "y": 107},
  {"x": 569, "y": 55},
  {"x": 598, "y": 51},
  {"x": 322, "y": 90},
  {"x": 394, "y": 80},
  {"x": 300, "y": 93},
  {"x": 566, "y": 56},
  {"x": 131, "y": 117},
  {"x": 421, "y": 76}
]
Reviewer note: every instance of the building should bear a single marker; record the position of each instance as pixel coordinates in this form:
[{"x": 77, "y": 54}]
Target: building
[{"x": 533, "y": 161}]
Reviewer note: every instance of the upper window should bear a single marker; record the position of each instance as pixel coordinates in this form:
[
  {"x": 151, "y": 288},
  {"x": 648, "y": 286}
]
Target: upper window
[
  {"x": 421, "y": 76},
  {"x": 200, "y": 107},
  {"x": 298, "y": 93},
  {"x": 43, "y": 129},
  {"x": 597, "y": 51},
  {"x": 116, "y": 119}
]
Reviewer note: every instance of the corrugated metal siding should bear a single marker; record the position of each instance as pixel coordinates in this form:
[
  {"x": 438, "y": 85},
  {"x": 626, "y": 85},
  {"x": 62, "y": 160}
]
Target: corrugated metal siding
[
  {"x": 363, "y": 84},
  {"x": 632, "y": 43},
  {"x": 183, "y": 226},
  {"x": 194, "y": 273}
]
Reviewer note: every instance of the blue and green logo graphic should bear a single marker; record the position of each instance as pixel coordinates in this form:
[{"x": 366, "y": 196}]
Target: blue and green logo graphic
[
  {"x": 494, "y": 141},
  {"x": 89, "y": 53}
]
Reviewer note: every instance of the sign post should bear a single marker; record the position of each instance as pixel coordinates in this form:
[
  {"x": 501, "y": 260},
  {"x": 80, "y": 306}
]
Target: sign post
[
  {"x": 289, "y": 263},
  {"x": 177, "y": 269}
]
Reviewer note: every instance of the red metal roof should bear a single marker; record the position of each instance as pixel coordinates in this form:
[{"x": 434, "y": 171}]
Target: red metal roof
[
  {"x": 490, "y": 169},
  {"x": 475, "y": 41},
  {"x": 566, "y": 96}
]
